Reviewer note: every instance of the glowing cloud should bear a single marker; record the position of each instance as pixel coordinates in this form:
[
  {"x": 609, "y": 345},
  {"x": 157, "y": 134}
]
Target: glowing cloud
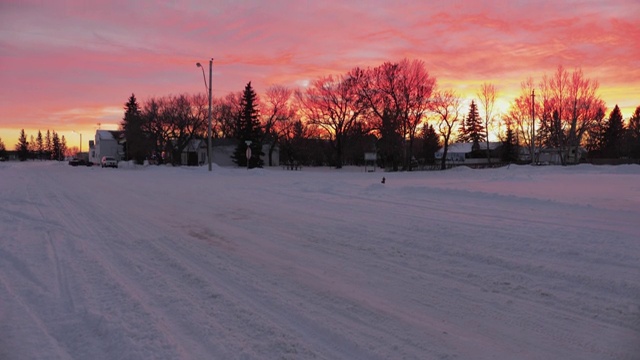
[{"x": 70, "y": 66}]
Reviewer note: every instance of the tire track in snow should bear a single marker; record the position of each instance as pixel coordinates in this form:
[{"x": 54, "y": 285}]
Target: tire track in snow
[
  {"x": 78, "y": 252},
  {"x": 466, "y": 218},
  {"x": 186, "y": 282},
  {"x": 355, "y": 311}
]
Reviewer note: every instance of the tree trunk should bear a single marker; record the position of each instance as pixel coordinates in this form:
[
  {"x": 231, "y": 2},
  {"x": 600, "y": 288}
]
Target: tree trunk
[{"x": 444, "y": 156}]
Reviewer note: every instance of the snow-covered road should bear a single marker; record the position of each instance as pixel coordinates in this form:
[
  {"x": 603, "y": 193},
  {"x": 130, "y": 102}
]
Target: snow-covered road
[{"x": 180, "y": 263}]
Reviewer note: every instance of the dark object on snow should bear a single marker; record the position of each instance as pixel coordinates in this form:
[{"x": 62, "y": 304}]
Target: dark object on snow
[{"x": 382, "y": 180}]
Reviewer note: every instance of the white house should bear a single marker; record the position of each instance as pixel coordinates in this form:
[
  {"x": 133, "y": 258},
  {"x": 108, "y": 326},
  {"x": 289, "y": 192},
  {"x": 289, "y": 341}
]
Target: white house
[
  {"x": 109, "y": 143},
  {"x": 553, "y": 156},
  {"x": 195, "y": 153},
  {"x": 106, "y": 144},
  {"x": 457, "y": 153}
]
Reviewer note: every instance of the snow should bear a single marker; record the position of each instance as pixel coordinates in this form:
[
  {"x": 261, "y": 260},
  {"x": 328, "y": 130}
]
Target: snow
[{"x": 181, "y": 263}]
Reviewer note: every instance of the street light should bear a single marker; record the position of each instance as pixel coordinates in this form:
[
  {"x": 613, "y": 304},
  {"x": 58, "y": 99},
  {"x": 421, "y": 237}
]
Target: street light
[{"x": 209, "y": 89}]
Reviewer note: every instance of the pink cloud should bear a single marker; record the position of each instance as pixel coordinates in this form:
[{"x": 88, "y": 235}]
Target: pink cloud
[{"x": 93, "y": 55}]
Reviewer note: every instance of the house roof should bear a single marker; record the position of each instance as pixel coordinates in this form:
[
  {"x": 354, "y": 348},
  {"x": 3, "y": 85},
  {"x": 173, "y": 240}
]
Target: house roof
[{"x": 108, "y": 134}]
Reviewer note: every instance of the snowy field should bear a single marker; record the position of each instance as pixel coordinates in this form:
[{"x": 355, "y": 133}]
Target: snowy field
[{"x": 179, "y": 263}]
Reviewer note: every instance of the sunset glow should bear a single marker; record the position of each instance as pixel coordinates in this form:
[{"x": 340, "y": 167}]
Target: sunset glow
[{"x": 69, "y": 66}]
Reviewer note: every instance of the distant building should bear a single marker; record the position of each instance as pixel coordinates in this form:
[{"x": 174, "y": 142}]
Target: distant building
[
  {"x": 553, "y": 156},
  {"x": 463, "y": 153},
  {"x": 195, "y": 153},
  {"x": 223, "y": 150},
  {"x": 110, "y": 143},
  {"x": 106, "y": 143}
]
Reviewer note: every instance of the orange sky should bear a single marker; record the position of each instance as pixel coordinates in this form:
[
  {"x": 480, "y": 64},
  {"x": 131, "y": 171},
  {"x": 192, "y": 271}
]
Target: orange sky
[{"x": 71, "y": 65}]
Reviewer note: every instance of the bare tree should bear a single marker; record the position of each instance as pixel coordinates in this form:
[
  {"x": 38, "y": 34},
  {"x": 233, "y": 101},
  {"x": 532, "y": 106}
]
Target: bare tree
[
  {"x": 152, "y": 124},
  {"x": 199, "y": 105},
  {"x": 277, "y": 111},
  {"x": 551, "y": 132},
  {"x": 487, "y": 96},
  {"x": 398, "y": 95},
  {"x": 416, "y": 87},
  {"x": 185, "y": 117},
  {"x": 380, "y": 93},
  {"x": 225, "y": 112},
  {"x": 297, "y": 141},
  {"x": 586, "y": 107},
  {"x": 574, "y": 104},
  {"x": 173, "y": 121},
  {"x": 334, "y": 104},
  {"x": 447, "y": 106},
  {"x": 520, "y": 115}
]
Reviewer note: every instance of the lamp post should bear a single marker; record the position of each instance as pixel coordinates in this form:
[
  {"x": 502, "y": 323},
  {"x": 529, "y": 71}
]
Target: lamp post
[{"x": 209, "y": 90}]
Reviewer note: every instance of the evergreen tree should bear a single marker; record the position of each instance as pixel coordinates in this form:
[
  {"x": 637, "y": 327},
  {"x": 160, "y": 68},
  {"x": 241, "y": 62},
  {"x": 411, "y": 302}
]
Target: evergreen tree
[
  {"x": 63, "y": 148},
  {"x": 613, "y": 134},
  {"x": 509, "y": 147},
  {"x": 633, "y": 131},
  {"x": 136, "y": 146},
  {"x": 48, "y": 146},
  {"x": 32, "y": 147},
  {"x": 248, "y": 129},
  {"x": 634, "y": 123},
  {"x": 3, "y": 151},
  {"x": 39, "y": 146},
  {"x": 22, "y": 147},
  {"x": 55, "y": 146},
  {"x": 430, "y": 144},
  {"x": 472, "y": 129},
  {"x": 595, "y": 140}
]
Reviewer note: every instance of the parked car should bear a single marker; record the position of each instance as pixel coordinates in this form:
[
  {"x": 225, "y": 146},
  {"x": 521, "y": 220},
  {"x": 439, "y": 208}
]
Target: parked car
[
  {"x": 79, "y": 162},
  {"x": 108, "y": 161}
]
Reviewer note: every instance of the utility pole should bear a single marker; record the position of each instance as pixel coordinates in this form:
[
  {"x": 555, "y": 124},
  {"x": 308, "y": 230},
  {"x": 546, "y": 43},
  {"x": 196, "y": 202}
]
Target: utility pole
[
  {"x": 80, "y": 140},
  {"x": 208, "y": 88},
  {"x": 533, "y": 125},
  {"x": 209, "y": 129}
]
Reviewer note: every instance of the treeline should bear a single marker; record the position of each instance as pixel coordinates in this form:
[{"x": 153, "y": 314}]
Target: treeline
[
  {"x": 333, "y": 120},
  {"x": 395, "y": 109},
  {"x": 47, "y": 147},
  {"x": 611, "y": 138},
  {"x": 568, "y": 113}
]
